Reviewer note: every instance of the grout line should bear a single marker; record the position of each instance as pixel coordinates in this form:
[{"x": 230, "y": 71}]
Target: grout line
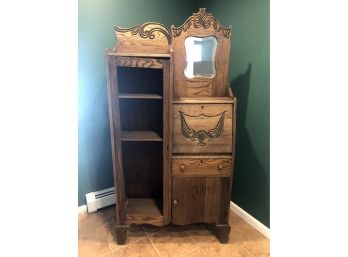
[
  {"x": 248, "y": 251},
  {"x": 151, "y": 240},
  {"x": 194, "y": 249}
]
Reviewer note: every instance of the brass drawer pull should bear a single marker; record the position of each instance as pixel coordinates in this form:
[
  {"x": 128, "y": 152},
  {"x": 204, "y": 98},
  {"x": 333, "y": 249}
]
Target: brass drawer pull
[
  {"x": 182, "y": 167},
  {"x": 175, "y": 202},
  {"x": 220, "y": 167}
]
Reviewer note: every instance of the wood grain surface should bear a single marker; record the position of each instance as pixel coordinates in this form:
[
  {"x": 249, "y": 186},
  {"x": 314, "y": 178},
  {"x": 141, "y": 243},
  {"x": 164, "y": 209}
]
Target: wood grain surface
[{"x": 223, "y": 144}]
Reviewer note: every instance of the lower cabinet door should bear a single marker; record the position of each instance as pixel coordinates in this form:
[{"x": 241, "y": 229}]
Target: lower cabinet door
[{"x": 200, "y": 199}]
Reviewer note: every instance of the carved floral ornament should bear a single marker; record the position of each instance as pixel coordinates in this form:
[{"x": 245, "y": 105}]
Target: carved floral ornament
[
  {"x": 201, "y": 19},
  {"x": 197, "y": 20},
  {"x": 146, "y": 30},
  {"x": 202, "y": 135}
]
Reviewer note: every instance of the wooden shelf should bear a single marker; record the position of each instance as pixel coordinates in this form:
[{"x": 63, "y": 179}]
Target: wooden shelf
[
  {"x": 140, "y": 96},
  {"x": 164, "y": 55},
  {"x": 206, "y": 100},
  {"x": 143, "y": 210},
  {"x": 140, "y": 136}
]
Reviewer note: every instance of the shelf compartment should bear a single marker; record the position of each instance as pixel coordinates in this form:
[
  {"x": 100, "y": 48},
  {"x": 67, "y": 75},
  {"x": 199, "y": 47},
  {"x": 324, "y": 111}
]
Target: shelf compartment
[
  {"x": 144, "y": 211},
  {"x": 133, "y": 80},
  {"x": 141, "y": 115},
  {"x": 140, "y": 96},
  {"x": 140, "y": 136}
]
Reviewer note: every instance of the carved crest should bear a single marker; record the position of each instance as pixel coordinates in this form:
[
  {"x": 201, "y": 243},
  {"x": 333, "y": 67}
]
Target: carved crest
[
  {"x": 201, "y": 19},
  {"x": 202, "y": 135},
  {"x": 146, "y": 38},
  {"x": 146, "y": 30}
]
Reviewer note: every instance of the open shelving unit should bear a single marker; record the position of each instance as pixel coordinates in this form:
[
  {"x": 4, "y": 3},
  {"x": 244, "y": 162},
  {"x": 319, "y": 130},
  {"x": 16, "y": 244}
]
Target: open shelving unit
[{"x": 140, "y": 97}]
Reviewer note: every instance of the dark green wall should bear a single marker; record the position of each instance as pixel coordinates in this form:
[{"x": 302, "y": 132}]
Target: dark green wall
[
  {"x": 249, "y": 79},
  {"x": 96, "y": 22}
]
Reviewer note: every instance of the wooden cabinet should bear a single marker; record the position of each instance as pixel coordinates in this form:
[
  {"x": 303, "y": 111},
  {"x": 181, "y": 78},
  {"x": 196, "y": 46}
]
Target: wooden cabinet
[{"x": 172, "y": 124}]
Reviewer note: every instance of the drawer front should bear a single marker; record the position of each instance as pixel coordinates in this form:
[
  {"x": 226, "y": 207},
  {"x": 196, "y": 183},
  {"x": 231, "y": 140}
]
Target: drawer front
[
  {"x": 202, "y": 128},
  {"x": 202, "y": 166}
]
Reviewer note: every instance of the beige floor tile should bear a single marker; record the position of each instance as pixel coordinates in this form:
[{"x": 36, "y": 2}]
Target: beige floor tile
[
  {"x": 235, "y": 220},
  {"x": 96, "y": 238},
  {"x": 142, "y": 248},
  {"x": 108, "y": 219},
  {"x": 225, "y": 250},
  {"x": 199, "y": 252},
  {"x": 258, "y": 247},
  {"x": 173, "y": 242},
  {"x": 93, "y": 240},
  {"x": 107, "y": 214},
  {"x": 245, "y": 235}
]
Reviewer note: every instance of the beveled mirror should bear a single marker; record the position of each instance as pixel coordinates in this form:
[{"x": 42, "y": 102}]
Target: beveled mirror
[{"x": 200, "y": 57}]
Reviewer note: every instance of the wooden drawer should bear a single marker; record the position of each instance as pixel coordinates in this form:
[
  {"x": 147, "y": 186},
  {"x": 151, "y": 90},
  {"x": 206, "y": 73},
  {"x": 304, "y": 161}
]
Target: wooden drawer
[
  {"x": 202, "y": 166},
  {"x": 202, "y": 128}
]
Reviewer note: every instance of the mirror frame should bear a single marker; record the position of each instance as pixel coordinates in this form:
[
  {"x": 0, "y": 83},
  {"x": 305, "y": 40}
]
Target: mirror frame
[{"x": 201, "y": 24}]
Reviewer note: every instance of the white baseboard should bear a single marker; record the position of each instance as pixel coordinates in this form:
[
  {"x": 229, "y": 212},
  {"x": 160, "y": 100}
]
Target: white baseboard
[
  {"x": 250, "y": 220},
  {"x": 82, "y": 209}
]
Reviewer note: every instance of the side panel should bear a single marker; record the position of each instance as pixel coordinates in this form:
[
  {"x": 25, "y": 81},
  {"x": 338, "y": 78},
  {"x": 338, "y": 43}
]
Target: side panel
[
  {"x": 167, "y": 151},
  {"x": 115, "y": 131}
]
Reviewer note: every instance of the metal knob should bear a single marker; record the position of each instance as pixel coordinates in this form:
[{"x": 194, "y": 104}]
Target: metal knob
[
  {"x": 175, "y": 202},
  {"x": 220, "y": 167},
  {"x": 182, "y": 167}
]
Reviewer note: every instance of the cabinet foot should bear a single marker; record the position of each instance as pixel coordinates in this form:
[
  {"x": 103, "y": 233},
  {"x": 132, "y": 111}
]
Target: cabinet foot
[
  {"x": 121, "y": 232},
  {"x": 222, "y": 232}
]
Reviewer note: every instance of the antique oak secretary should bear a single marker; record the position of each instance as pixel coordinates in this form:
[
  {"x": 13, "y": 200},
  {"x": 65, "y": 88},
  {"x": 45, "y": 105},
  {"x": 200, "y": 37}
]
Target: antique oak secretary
[{"x": 173, "y": 123}]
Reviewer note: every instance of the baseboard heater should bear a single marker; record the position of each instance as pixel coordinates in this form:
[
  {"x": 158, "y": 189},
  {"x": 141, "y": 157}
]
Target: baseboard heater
[{"x": 100, "y": 199}]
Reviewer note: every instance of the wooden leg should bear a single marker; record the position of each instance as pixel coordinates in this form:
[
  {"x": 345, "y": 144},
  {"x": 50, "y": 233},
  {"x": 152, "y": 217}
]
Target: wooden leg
[
  {"x": 222, "y": 232},
  {"x": 121, "y": 231}
]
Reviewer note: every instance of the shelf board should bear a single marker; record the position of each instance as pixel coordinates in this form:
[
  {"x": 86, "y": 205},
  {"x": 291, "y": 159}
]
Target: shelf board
[
  {"x": 206, "y": 100},
  {"x": 140, "y": 136},
  {"x": 140, "y": 96},
  {"x": 163, "y": 55},
  {"x": 143, "y": 211}
]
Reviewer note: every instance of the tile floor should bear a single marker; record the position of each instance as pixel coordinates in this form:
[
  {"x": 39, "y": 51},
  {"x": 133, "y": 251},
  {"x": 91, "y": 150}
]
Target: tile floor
[{"x": 96, "y": 239}]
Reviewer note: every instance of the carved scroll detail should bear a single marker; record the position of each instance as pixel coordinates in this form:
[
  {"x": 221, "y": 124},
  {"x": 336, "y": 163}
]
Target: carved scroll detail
[
  {"x": 201, "y": 19},
  {"x": 202, "y": 135},
  {"x": 146, "y": 30}
]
